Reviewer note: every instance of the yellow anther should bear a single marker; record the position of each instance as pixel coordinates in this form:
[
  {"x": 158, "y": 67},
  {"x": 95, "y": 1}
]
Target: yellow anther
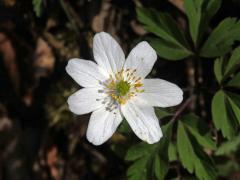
[{"x": 138, "y": 85}]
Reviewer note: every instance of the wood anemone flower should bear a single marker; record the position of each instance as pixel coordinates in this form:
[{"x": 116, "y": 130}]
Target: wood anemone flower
[{"x": 114, "y": 88}]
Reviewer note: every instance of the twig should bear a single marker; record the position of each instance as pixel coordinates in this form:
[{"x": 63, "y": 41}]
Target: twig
[{"x": 182, "y": 108}]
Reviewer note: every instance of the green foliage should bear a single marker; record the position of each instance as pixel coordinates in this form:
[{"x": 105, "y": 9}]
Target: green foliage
[
  {"x": 171, "y": 43},
  {"x": 199, "y": 130},
  {"x": 224, "y": 68},
  {"x": 218, "y": 64},
  {"x": 189, "y": 142},
  {"x": 235, "y": 81},
  {"x": 168, "y": 50},
  {"x": 199, "y": 12},
  {"x": 222, "y": 116},
  {"x": 226, "y": 104},
  {"x": 233, "y": 62},
  {"x": 229, "y": 146},
  {"x": 150, "y": 161},
  {"x": 172, "y": 151},
  {"x": 161, "y": 113},
  {"x": 37, "y": 7},
  {"x": 222, "y": 38},
  {"x": 234, "y": 100}
]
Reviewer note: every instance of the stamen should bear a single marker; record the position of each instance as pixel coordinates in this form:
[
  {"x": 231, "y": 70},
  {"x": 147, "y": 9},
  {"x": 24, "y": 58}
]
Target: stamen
[{"x": 122, "y": 87}]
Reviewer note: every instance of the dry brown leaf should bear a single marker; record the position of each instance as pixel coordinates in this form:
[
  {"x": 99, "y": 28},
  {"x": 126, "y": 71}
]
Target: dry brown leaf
[
  {"x": 9, "y": 2},
  {"x": 9, "y": 57},
  {"x": 98, "y": 21},
  {"x": 178, "y": 4},
  {"x": 44, "y": 59}
]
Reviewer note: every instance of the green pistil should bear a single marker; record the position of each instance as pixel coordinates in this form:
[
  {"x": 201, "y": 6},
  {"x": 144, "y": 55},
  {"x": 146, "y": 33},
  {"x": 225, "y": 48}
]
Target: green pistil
[{"x": 122, "y": 88}]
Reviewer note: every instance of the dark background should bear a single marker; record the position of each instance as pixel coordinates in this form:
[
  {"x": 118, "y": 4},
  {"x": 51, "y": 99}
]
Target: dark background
[{"x": 39, "y": 137}]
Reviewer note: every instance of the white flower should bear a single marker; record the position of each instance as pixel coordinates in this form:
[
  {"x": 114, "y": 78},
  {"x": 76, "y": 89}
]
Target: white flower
[{"x": 115, "y": 88}]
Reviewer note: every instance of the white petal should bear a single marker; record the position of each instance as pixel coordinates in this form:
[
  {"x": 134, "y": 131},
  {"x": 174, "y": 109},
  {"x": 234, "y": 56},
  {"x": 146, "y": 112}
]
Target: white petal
[
  {"x": 86, "y": 100},
  {"x": 142, "y": 58},
  {"x": 161, "y": 93},
  {"x": 107, "y": 53},
  {"x": 102, "y": 125},
  {"x": 143, "y": 121},
  {"x": 86, "y": 73}
]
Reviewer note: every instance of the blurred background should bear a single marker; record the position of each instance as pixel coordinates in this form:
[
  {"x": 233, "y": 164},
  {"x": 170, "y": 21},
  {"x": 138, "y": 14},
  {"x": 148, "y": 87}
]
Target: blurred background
[{"x": 39, "y": 137}]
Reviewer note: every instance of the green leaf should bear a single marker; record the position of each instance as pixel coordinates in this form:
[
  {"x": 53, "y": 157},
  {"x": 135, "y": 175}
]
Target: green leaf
[
  {"x": 172, "y": 152},
  {"x": 193, "y": 11},
  {"x": 160, "y": 167},
  {"x": 220, "y": 114},
  {"x": 235, "y": 81},
  {"x": 161, "y": 113},
  {"x": 234, "y": 100},
  {"x": 138, "y": 170},
  {"x": 124, "y": 128},
  {"x": 218, "y": 69},
  {"x": 233, "y": 62},
  {"x": 168, "y": 50},
  {"x": 222, "y": 38},
  {"x": 199, "y": 130},
  {"x": 199, "y": 12},
  {"x": 37, "y": 7},
  {"x": 228, "y": 168},
  {"x": 139, "y": 150},
  {"x": 185, "y": 148},
  {"x": 150, "y": 160},
  {"x": 163, "y": 26},
  {"x": 191, "y": 155},
  {"x": 229, "y": 146}
]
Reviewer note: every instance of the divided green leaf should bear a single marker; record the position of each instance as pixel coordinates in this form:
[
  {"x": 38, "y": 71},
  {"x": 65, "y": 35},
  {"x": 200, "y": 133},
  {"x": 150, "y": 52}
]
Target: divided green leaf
[
  {"x": 233, "y": 62},
  {"x": 222, "y": 38},
  {"x": 150, "y": 161},
  {"x": 168, "y": 50},
  {"x": 199, "y": 130},
  {"x": 222, "y": 116},
  {"x": 170, "y": 36},
  {"x": 191, "y": 154},
  {"x": 199, "y": 12}
]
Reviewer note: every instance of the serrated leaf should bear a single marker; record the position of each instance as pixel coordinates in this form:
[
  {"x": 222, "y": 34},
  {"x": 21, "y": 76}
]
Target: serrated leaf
[
  {"x": 37, "y": 7},
  {"x": 229, "y": 146},
  {"x": 221, "y": 118},
  {"x": 199, "y": 130},
  {"x": 168, "y": 50},
  {"x": 193, "y": 10},
  {"x": 218, "y": 69},
  {"x": 222, "y": 38},
  {"x": 191, "y": 155},
  {"x": 199, "y": 12}
]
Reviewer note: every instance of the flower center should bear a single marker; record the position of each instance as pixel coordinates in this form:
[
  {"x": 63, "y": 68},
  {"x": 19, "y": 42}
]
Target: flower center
[{"x": 122, "y": 87}]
